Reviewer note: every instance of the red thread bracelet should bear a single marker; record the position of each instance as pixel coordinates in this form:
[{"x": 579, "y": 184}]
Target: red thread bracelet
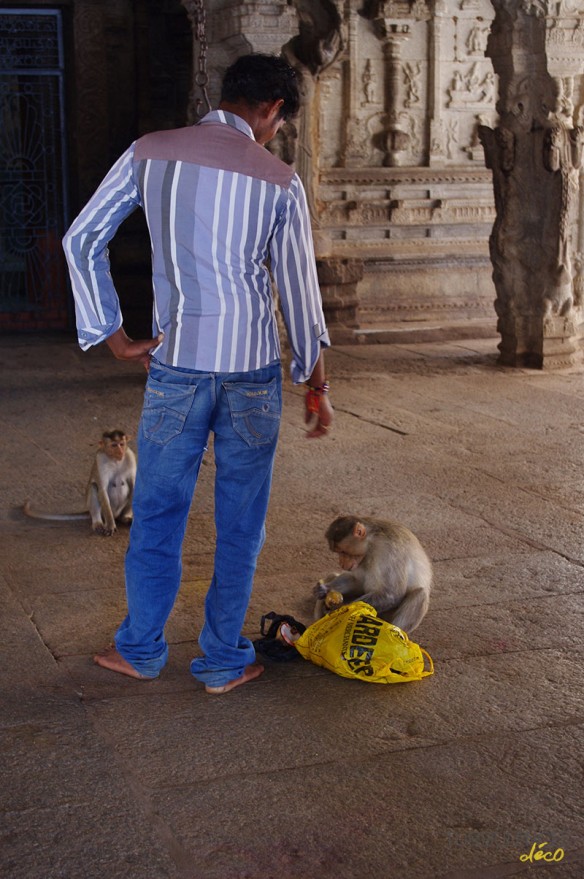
[{"x": 313, "y": 396}]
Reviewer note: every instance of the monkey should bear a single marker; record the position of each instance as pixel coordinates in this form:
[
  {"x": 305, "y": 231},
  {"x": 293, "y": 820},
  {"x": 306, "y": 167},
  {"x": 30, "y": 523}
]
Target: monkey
[
  {"x": 383, "y": 564},
  {"x": 110, "y": 489}
]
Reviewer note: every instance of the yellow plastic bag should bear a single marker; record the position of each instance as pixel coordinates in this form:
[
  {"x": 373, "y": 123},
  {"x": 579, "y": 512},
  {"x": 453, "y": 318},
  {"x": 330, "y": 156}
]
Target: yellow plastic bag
[{"x": 354, "y": 643}]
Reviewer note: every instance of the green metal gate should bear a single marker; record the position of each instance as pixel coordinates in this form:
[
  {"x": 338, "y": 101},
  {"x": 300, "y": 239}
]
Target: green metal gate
[{"x": 33, "y": 194}]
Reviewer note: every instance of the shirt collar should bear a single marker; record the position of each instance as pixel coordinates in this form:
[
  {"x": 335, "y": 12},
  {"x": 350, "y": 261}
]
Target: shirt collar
[{"x": 226, "y": 118}]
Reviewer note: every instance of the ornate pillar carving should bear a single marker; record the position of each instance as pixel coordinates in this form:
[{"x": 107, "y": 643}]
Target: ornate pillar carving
[
  {"x": 393, "y": 21},
  {"x": 356, "y": 146},
  {"x": 437, "y": 134},
  {"x": 535, "y": 155},
  {"x": 396, "y": 140},
  {"x": 393, "y": 31}
]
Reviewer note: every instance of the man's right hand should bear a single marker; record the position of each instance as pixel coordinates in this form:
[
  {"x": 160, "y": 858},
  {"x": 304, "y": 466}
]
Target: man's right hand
[
  {"x": 138, "y": 350},
  {"x": 324, "y": 421}
]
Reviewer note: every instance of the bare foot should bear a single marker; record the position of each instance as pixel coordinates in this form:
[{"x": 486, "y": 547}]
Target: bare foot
[
  {"x": 114, "y": 661},
  {"x": 250, "y": 672}
]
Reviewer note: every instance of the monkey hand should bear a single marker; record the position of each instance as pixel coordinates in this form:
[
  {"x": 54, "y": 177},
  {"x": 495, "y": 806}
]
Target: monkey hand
[
  {"x": 139, "y": 350},
  {"x": 104, "y": 530},
  {"x": 321, "y": 589}
]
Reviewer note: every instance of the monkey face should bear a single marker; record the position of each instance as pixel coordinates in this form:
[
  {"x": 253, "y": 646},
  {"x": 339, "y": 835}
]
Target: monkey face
[
  {"x": 347, "y": 560},
  {"x": 348, "y": 538},
  {"x": 115, "y": 448}
]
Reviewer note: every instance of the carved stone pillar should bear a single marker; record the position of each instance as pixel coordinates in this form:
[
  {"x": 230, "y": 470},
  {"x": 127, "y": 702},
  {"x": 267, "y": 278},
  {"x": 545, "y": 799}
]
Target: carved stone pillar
[
  {"x": 394, "y": 33},
  {"x": 338, "y": 283},
  {"x": 437, "y": 136},
  {"x": 356, "y": 135},
  {"x": 535, "y": 156}
]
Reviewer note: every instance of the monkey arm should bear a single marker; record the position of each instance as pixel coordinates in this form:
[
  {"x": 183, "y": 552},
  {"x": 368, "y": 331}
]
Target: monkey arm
[
  {"x": 348, "y": 584},
  {"x": 98, "y": 501},
  {"x": 381, "y": 600},
  {"x": 125, "y": 515},
  {"x": 102, "y": 517}
]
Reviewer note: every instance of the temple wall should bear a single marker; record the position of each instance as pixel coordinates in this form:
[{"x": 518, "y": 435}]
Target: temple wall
[
  {"x": 387, "y": 144},
  {"x": 440, "y": 143}
]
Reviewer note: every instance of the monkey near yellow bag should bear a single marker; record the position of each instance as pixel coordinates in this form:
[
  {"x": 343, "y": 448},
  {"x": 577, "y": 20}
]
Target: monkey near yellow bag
[{"x": 354, "y": 643}]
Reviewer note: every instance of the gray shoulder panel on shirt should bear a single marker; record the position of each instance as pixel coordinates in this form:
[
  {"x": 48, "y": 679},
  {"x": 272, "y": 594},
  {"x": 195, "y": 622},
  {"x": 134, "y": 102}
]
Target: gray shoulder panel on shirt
[{"x": 215, "y": 145}]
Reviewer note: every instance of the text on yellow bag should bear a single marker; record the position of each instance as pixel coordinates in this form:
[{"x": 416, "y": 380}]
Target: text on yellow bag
[{"x": 355, "y": 643}]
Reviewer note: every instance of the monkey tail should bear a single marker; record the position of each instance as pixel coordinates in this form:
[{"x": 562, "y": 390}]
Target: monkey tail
[{"x": 53, "y": 517}]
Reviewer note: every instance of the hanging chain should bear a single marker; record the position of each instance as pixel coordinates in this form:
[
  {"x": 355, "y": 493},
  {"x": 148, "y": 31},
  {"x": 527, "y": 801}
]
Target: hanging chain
[{"x": 201, "y": 76}]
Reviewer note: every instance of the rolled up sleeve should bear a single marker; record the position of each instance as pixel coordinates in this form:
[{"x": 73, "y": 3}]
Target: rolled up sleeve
[
  {"x": 294, "y": 269},
  {"x": 97, "y": 306}
]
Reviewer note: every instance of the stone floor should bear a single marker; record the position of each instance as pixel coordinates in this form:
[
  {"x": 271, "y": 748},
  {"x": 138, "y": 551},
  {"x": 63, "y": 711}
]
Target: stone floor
[{"x": 303, "y": 774}]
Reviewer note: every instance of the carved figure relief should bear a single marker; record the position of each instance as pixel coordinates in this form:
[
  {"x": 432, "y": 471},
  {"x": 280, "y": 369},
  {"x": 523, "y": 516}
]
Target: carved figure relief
[
  {"x": 472, "y": 88},
  {"x": 412, "y": 71},
  {"x": 542, "y": 8},
  {"x": 558, "y": 35},
  {"x": 564, "y": 104},
  {"x": 414, "y": 125},
  {"x": 476, "y": 42},
  {"x": 419, "y": 9},
  {"x": 438, "y": 140},
  {"x": 369, "y": 80},
  {"x": 451, "y": 138},
  {"x": 563, "y": 152},
  {"x": 357, "y": 140}
]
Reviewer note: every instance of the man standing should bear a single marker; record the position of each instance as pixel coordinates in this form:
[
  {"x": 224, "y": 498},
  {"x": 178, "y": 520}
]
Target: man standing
[{"x": 220, "y": 209}]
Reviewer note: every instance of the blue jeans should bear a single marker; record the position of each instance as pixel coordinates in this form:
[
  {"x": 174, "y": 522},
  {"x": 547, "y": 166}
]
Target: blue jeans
[{"x": 181, "y": 407}]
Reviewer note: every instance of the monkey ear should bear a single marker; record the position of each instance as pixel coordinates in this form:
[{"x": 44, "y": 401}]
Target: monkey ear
[{"x": 359, "y": 530}]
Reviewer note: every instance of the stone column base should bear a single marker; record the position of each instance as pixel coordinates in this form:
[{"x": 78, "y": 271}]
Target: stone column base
[
  {"x": 559, "y": 346},
  {"x": 562, "y": 341},
  {"x": 338, "y": 284}
]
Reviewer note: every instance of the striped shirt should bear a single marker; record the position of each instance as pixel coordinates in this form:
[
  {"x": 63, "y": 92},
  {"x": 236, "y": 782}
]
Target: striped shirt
[{"x": 222, "y": 213}]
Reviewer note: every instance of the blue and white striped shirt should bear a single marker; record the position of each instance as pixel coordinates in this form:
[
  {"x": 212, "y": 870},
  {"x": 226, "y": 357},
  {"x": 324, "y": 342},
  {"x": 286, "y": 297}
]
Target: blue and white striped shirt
[{"x": 219, "y": 207}]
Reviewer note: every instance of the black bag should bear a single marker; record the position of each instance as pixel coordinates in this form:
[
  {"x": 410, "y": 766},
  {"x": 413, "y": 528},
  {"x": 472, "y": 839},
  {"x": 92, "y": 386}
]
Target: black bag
[{"x": 271, "y": 645}]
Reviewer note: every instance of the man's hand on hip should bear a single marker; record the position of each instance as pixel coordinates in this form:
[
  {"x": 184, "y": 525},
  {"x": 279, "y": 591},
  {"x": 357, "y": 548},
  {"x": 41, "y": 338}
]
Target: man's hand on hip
[{"x": 139, "y": 350}]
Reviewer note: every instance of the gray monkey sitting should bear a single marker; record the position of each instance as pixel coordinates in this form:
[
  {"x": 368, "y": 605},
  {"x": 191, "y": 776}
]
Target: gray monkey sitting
[
  {"x": 384, "y": 564},
  {"x": 110, "y": 489}
]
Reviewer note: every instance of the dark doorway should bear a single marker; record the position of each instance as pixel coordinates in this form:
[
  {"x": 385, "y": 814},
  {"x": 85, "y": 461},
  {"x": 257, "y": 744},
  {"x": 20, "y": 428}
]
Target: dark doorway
[{"x": 33, "y": 197}]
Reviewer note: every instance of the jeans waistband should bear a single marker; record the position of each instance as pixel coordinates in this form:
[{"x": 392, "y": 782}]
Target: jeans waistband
[
  {"x": 197, "y": 373},
  {"x": 179, "y": 369}
]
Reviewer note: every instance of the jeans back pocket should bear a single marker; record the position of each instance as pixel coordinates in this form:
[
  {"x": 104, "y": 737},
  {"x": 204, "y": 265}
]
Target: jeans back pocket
[
  {"x": 255, "y": 409},
  {"x": 166, "y": 407}
]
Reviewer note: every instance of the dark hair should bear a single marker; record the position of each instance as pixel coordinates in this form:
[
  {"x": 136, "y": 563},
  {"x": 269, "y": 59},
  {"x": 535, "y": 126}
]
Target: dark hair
[{"x": 256, "y": 78}]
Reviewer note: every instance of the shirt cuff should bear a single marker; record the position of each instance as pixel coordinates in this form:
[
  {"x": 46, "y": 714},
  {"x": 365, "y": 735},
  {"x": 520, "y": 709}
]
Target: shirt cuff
[
  {"x": 301, "y": 372},
  {"x": 90, "y": 336}
]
